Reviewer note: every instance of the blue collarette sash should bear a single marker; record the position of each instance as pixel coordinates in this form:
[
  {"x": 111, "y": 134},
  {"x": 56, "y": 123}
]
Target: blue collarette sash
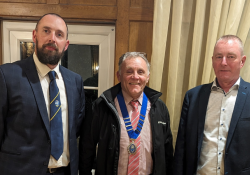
[{"x": 131, "y": 133}]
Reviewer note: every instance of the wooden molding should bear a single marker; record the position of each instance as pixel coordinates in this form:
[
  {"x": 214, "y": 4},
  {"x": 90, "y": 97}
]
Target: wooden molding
[
  {"x": 90, "y": 2},
  {"x": 141, "y": 14},
  {"x": 26, "y": 1},
  {"x": 142, "y": 3},
  {"x": 66, "y": 11},
  {"x": 53, "y": 2}
]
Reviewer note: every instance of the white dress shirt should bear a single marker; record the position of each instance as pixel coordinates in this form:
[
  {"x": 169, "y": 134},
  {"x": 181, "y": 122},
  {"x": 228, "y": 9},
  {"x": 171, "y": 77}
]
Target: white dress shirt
[
  {"x": 218, "y": 117},
  {"x": 43, "y": 71}
]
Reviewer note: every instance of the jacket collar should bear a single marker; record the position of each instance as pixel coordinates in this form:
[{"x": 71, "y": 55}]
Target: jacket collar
[
  {"x": 238, "y": 108},
  {"x": 202, "y": 109},
  {"x": 31, "y": 73}
]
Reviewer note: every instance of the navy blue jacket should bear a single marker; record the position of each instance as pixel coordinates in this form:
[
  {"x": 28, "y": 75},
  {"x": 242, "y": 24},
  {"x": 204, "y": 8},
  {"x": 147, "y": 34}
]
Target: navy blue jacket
[
  {"x": 24, "y": 122},
  {"x": 191, "y": 127}
]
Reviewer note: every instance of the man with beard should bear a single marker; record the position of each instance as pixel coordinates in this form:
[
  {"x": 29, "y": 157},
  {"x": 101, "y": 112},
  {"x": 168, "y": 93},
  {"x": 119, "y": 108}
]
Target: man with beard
[{"x": 41, "y": 107}]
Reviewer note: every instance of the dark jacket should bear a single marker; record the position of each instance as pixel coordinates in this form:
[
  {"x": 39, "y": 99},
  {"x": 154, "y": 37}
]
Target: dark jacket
[
  {"x": 24, "y": 123},
  {"x": 191, "y": 128},
  {"x": 104, "y": 128}
]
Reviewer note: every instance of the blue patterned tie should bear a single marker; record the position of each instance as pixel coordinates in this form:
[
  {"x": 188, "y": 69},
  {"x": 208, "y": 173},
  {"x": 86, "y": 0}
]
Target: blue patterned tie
[{"x": 56, "y": 130}]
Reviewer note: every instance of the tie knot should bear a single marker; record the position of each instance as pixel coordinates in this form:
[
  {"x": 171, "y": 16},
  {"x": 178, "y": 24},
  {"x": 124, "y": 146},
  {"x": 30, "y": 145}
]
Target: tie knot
[
  {"x": 52, "y": 75},
  {"x": 134, "y": 104}
]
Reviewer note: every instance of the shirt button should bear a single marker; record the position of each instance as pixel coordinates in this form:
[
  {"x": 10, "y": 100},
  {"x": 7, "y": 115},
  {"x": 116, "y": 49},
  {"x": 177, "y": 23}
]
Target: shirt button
[
  {"x": 223, "y": 109},
  {"x": 219, "y": 153},
  {"x": 220, "y": 138},
  {"x": 218, "y": 167},
  {"x": 221, "y": 124}
]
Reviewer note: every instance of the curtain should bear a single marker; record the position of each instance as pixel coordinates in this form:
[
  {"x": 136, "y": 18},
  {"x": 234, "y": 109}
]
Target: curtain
[{"x": 184, "y": 35}]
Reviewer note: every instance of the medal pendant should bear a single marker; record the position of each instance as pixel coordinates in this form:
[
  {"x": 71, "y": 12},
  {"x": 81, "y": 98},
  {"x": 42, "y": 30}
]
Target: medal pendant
[{"x": 132, "y": 147}]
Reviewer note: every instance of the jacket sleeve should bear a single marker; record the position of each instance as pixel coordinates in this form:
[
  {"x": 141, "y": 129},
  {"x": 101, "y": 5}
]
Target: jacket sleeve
[
  {"x": 3, "y": 104},
  {"x": 88, "y": 141},
  {"x": 179, "y": 156},
  {"x": 169, "y": 146}
]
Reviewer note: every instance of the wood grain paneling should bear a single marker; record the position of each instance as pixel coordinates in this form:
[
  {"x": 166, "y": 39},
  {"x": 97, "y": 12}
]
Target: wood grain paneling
[
  {"x": 142, "y": 3},
  {"x": 66, "y": 11},
  {"x": 89, "y": 2},
  {"x": 141, "y": 14},
  {"x": 52, "y": 1},
  {"x": 122, "y": 31},
  {"x": 26, "y": 1},
  {"x": 140, "y": 37}
]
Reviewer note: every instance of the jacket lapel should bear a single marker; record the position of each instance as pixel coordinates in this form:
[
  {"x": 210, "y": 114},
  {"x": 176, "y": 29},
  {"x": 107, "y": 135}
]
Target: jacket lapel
[
  {"x": 202, "y": 107},
  {"x": 239, "y": 104},
  {"x": 68, "y": 86},
  {"x": 35, "y": 84}
]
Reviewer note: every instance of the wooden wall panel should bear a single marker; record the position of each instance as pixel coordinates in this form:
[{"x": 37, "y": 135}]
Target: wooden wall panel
[
  {"x": 66, "y": 11},
  {"x": 142, "y": 3},
  {"x": 141, "y": 14},
  {"x": 53, "y": 2},
  {"x": 140, "y": 37},
  {"x": 26, "y": 1},
  {"x": 122, "y": 32},
  {"x": 89, "y": 2}
]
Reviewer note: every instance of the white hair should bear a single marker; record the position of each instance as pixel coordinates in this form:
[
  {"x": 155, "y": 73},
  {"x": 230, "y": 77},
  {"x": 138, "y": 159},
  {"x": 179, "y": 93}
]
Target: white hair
[{"x": 133, "y": 55}]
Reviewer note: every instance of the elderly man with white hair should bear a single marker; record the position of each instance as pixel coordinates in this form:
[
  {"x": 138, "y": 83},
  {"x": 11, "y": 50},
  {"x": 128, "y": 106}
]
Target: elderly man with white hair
[{"x": 130, "y": 124}]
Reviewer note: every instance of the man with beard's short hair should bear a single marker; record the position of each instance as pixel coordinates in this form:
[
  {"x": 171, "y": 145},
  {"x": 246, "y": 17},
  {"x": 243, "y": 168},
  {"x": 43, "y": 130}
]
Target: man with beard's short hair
[{"x": 41, "y": 107}]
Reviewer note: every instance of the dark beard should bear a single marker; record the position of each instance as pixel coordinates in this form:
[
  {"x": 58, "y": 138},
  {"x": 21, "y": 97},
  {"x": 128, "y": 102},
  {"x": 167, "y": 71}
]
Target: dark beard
[{"x": 49, "y": 57}]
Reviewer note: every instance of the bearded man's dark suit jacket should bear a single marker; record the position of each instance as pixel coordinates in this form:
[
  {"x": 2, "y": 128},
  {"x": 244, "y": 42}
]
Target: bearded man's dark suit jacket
[
  {"x": 190, "y": 134},
  {"x": 24, "y": 122}
]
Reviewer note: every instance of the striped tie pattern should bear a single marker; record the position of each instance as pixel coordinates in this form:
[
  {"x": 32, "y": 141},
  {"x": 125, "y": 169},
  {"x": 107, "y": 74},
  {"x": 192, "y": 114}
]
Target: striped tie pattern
[
  {"x": 133, "y": 160},
  {"x": 56, "y": 130}
]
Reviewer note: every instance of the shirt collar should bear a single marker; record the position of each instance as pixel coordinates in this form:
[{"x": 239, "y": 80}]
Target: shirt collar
[
  {"x": 43, "y": 69},
  {"x": 235, "y": 86},
  {"x": 128, "y": 99}
]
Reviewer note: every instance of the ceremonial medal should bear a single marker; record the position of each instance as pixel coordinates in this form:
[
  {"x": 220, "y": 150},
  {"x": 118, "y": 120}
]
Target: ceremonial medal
[{"x": 132, "y": 147}]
